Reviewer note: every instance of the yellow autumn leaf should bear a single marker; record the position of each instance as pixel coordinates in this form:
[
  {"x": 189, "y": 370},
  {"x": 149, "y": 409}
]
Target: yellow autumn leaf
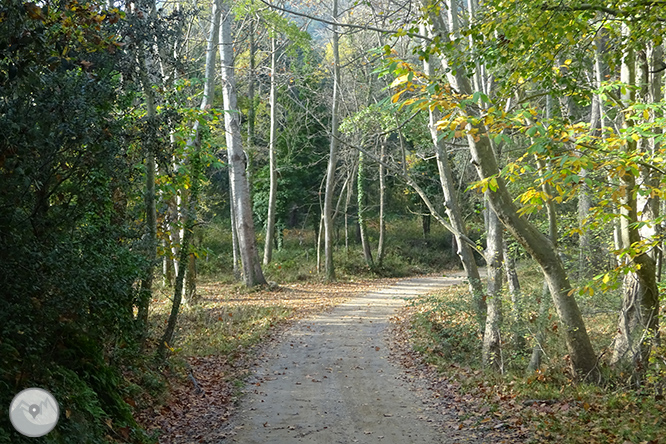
[
  {"x": 399, "y": 81},
  {"x": 397, "y": 95}
]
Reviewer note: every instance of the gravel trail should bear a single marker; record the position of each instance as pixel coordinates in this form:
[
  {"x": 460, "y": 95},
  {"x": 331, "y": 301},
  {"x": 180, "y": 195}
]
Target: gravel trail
[{"x": 328, "y": 380}]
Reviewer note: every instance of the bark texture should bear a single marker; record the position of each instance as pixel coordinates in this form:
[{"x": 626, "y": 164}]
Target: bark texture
[{"x": 492, "y": 341}]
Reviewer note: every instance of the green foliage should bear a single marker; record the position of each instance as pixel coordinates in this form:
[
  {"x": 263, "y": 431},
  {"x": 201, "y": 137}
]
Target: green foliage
[{"x": 69, "y": 246}]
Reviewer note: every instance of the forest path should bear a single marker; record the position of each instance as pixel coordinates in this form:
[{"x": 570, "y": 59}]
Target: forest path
[{"x": 329, "y": 380}]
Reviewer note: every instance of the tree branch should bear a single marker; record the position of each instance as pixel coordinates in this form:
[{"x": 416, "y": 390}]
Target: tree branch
[
  {"x": 344, "y": 25},
  {"x": 583, "y": 7}
]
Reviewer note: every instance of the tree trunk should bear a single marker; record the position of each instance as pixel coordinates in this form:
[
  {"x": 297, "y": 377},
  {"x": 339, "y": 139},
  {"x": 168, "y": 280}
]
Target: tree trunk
[
  {"x": 543, "y": 251},
  {"x": 190, "y": 219},
  {"x": 537, "y": 350},
  {"x": 191, "y": 279},
  {"x": 333, "y": 155},
  {"x": 425, "y": 223},
  {"x": 146, "y": 293},
  {"x": 272, "y": 195},
  {"x": 347, "y": 202},
  {"x": 518, "y": 333},
  {"x": 492, "y": 341},
  {"x": 252, "y": 75},
  {"x": 252, "y": 273},
  {"x": 453, "y": 212},
  {"x": 360, "y": 197},
  {"x": 511, "y": 277},
  {"x": 639, "y": 317},
  {"x": 151, "y": 216},
  {"x": 382, "y": 199},
  {"x": 319, "y": 239},
  {"x": 234, "y": 233}
]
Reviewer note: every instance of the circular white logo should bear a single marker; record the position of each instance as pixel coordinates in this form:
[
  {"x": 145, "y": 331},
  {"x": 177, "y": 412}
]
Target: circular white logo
[{"x": 34, "y": 412}]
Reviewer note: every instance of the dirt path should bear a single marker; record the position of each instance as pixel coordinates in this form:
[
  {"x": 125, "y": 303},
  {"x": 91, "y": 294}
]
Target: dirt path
[{"x": 328, "y": 380}]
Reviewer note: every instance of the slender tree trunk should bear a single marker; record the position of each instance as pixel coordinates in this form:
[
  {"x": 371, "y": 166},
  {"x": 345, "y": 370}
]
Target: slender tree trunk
[
  {"x": 272, "y": 195},
  {"x": 151, "y": 214},
  {"x": 252, "y": 75},
  {"x": 190, "y": 219},
  {"x": 425, "y": 222},
  {"x": 252, "y": 273},
  {"x": 512, "y": 280},
  {"x": 149, "y": 197},
  {"x": 360, "y": 197},
  {"x": 333, "y": 155},
  {"x": 656, "y": 81},
  {"x": 382, "y": 199},
  {"x": 234, "y": 233},
  {"x": 350, "y": 191},
  {"x": 492, "y": 341},
  {"x": 320, "y": 235},
  {"x": 194, "y": 141},
  {"x": 513, "y": 284},
  {"x": 191, "y": 279},
  {"x": 537, "y": 350}
]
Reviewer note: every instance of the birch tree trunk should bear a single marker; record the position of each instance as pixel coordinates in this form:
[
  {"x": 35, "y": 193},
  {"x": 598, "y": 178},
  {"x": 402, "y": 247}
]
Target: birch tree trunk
[
  {"x": 190, "y": 218},
  {"x": 252, "y": 75},
  {"x": 272, "y": 195},
  {"x": 252, "y": 273},
  {"x": 234, "y": 233},
  {"x": 333, "y": 155}
]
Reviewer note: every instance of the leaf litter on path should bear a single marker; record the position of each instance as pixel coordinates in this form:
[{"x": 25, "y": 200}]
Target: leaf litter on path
[
  {"x": 204, "y": 390},
  {"x": 206, "y": 394}
]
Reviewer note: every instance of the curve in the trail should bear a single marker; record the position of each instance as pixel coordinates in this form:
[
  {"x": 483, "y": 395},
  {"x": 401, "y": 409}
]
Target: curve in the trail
[{"x": 328, "y": 380}]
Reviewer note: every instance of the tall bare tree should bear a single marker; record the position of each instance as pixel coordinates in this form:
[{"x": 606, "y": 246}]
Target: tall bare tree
[{"x": 240, "y": 190}]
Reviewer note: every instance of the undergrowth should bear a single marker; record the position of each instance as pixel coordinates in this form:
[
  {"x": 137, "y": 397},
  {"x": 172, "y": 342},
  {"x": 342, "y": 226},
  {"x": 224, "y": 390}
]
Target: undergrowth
[
  {"x": 407, "y": 252},
  {"x": 553, "y": 405}
]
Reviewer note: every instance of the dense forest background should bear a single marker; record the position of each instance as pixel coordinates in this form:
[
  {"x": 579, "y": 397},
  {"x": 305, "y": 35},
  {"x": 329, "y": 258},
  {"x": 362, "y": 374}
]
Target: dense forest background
[{"x": 148, "y": 146}]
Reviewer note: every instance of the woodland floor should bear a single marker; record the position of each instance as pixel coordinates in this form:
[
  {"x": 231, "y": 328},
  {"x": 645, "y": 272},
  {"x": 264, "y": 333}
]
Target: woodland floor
[{"x": 342, "y": 372}]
